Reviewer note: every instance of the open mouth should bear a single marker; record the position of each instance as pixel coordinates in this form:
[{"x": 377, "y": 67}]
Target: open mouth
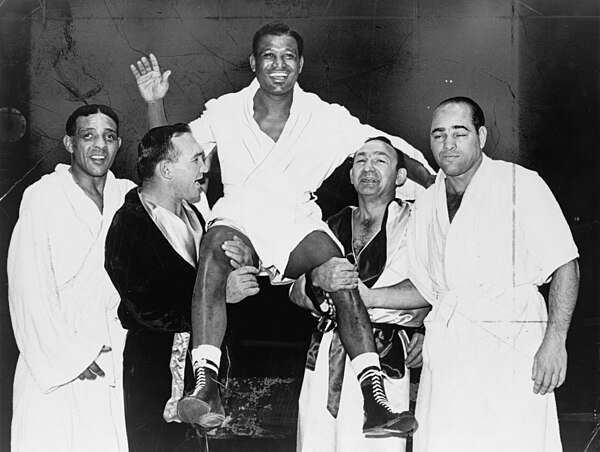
[
  {"x": 98, "y": 158},
  {"x": 278, "y": 75}
]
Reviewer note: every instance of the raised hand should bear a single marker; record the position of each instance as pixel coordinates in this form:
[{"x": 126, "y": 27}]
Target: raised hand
[{"x": 153, "y": 85}]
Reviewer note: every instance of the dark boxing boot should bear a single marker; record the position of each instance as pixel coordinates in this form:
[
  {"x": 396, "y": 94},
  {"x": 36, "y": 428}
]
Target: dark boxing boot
[
  {"x": 380, "y": 419},
  {"x": 203, "y": 405}
]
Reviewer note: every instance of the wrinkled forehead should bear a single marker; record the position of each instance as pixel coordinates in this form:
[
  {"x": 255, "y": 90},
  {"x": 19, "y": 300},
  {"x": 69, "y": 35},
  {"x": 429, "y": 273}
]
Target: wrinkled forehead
[
  {"x": 376, "y": 147},
  {"x": 278, "y": 41},
  {"x": 98, "y": 121},
  {"x": 452, "y": 115}
]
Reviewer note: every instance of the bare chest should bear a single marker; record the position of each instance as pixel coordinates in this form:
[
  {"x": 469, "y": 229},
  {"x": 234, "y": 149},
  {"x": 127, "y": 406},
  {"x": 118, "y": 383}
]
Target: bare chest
[{"x": 362, "y": 232}]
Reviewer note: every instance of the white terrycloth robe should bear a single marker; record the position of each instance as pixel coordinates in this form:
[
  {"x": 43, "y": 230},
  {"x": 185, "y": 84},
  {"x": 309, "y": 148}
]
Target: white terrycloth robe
[
  {"x": 268, "y": 186},
  {"x": 318, "y": 431},
  {"x": 481, "y": 274},
  {"x": 63, "y": 310}
]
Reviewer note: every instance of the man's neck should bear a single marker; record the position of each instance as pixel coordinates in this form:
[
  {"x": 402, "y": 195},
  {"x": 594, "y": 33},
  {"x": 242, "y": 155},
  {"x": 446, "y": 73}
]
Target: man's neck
[
  {"x": 371, "y": 210},
  {"x": 93, "y": 187},
  {"x": 162, "y": 197},
  {"x": 269, "y": 105}
]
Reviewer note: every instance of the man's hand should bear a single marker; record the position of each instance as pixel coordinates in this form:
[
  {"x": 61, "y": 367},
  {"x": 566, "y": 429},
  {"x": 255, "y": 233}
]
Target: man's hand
[
  {"x": 549, "y": 365},
  {"x": 239, "y": 253},
  {"x": 152, "y": 85},
  {"x": 335, "y": 274},
  {"x": 414, "y": 352},
  {"x": 93, "y": 369},
  {"x": 241, "y": 283}
]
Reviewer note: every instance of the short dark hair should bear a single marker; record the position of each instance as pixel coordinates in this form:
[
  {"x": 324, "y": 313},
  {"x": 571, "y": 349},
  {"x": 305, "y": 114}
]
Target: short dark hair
[
  {"x": 476, "y": 111},
  {"x": 157, "y": 146},
  {"x": 87, "y": 110},
  {"x": 276, "y": 29},
  {"x": 400, "y": 162}
]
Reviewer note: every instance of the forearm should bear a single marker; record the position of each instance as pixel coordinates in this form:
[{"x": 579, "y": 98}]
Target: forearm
[
  {"x": 402, "y": 295},
  {"x": 417, "y": 172},
  {"x": 156, "y": 114},
  {"x": 562, "y": 298}
]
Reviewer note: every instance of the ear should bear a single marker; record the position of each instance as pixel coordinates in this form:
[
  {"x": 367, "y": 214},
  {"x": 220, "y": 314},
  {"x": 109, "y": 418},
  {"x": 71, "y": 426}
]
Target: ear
[
  {"x": 252, "y": 61},
  {"x": 120, "y": 141},
  {"x": 68, "y": 143},
  {"x": 482, "y": 132},
  {"x": 301, "y": 64},
  {"x": 401, "y": 177},
  {"x": 164, "y": 169},
  {"x": 351, "y": 177}
]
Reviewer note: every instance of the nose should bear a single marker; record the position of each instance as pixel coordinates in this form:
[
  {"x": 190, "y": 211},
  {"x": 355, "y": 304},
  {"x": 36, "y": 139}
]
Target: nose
[
  {"x": 100, "y": 142},
  {"x": 279, "y": 61},
  {"x": 368, "y": 164},
  {"x": 449, "y": 142},
  {"x": 203, "y": 168}
]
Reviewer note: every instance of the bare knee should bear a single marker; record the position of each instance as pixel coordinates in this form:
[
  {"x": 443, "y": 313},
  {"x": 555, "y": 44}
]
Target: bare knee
[
  {"x": 315, "y": 249},
  {"x": 211, "y": 250}
]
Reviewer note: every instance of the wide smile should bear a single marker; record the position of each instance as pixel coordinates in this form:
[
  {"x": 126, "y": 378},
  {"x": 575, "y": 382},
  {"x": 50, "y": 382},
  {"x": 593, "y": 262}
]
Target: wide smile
[
  {"x": 369, "y": 180},
  {"x": 99, "y": 159},
  {"x": 279, "y": 76}
]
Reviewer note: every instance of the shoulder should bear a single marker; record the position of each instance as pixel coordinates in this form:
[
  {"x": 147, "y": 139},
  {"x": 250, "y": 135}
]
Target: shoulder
[
  {"x": 524, "y": 178},
  {"x": 131, "y": 212},
  {"x": 339, "y": 217},
  {"x": 227, "y": 99},
  {"x": 125, "y": 185},
  {"x": 43, "y": 193}
]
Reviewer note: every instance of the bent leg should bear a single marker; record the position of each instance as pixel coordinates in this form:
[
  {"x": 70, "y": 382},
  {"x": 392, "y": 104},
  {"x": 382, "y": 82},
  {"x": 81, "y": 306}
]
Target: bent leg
[
  {"x": 209, "y": 320},
  {"x": 353, "y": 321},
  {"x": 209, "y": 316},
  {"x": 356, "y": 335}
]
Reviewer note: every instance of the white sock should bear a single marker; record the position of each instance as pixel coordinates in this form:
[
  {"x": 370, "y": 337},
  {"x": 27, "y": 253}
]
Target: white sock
[
  {"x": 207, "y": 356},
  {"x": 363, "y": 362}
]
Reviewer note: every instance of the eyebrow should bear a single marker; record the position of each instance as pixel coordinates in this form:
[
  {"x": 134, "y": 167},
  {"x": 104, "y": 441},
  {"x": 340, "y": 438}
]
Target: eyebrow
[
  {"x": 456, "y": 127},
  {"x": 284, "y": 49},
  {"x": 378, "y": 153},
  {"x": 85, "y": 129}
]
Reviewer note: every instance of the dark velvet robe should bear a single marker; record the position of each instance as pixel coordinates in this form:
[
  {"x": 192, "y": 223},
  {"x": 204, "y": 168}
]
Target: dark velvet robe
[{"x": 155, "y": 284}]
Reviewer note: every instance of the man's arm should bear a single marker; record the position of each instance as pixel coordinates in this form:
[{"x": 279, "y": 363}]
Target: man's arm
[
  {"x": 550, "y": 361},
  {"x": 417, "y": 172},
  {"x": 153, "y": 87},
  {"x": 55, "y": 354},
  {"x": 402, "y": 295}
]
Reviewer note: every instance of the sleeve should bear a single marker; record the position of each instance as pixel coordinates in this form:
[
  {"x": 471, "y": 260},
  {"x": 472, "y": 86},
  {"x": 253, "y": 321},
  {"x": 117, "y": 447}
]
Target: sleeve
[
  {"x": 202, "y": 127},
  {"x": 547, "y": 234},
  {"x": 55, "y": 353},
  {"x": 355, "y": 134},
  {"x": 148, "y": 295},
  {"x": 417, "y": 248}
]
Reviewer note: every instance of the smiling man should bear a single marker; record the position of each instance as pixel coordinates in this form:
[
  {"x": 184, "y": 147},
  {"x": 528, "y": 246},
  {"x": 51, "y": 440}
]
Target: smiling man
[
  {"x": 484, "y": 237},
  {"x": 276, "y": 145},
  {"x": 373, "y": 234},
  {"x": 151, "y": 257},
  {"x": 68, "y": 393}
]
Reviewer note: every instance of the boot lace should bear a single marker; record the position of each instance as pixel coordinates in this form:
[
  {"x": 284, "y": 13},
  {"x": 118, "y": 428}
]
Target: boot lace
[
  {"x": 378, "y": 393},
  {"x": 200, "y": 380}
]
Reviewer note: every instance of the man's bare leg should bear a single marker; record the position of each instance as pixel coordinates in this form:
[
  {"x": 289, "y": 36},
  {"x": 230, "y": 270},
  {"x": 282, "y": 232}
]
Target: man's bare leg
[
  {"x": 356, "y": 334},
  {"x": 209, "y": 322}
]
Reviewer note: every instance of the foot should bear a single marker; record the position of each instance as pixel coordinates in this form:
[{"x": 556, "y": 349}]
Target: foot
[
  {"x": 380, "y": 419},
  {"x": 203, "y": 405}
]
